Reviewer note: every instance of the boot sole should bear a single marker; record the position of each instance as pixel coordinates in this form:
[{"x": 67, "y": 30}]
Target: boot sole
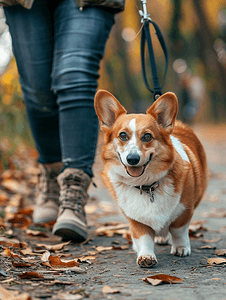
[{"x": 70, "y": 232}]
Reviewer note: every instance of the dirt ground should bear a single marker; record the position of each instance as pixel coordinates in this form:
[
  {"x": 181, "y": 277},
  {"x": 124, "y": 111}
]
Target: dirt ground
[{"x": 107, "y": 263}]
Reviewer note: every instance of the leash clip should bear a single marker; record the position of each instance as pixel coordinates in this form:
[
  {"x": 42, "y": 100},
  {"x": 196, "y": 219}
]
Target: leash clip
[{"x": 144, "y": 13}]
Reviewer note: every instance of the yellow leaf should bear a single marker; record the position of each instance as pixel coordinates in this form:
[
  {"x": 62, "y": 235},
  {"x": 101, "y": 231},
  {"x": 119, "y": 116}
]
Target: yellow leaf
[{"x": 7, "y": 99}]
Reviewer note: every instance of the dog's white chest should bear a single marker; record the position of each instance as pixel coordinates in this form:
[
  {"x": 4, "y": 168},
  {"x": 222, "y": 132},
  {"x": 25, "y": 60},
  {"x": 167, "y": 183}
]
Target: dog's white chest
[{"x": 158, "y": 214}]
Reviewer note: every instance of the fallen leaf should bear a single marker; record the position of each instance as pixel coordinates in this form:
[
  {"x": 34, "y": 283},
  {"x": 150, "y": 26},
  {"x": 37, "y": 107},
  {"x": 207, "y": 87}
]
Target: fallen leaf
[
  {"x": 7, "y": 252},
  {"x": 2, "y": 223},
  {"x": 67, "y": 296},
  {"x": 20, "y": 263},
  {"x": 12, "y": 242},
  {"x": 4, "y": 198},
  {"x": 101, "y": 248},
  {"x": 26, "y": 211},
  {"x": 221, "y": 252},
  {"x": 194, "y": 229},
  {"x": 28, "y": 251},
  {"x": 55, "y": 261},
  {"x": 11, "y": 185},
  {"x": 210, "y": 241},
  {"x": 5, "y": 293},
  {"x": 10, "y": 174},
  {"x": 12, "y": 295},
  {"x": 20, "y": 221},
  {"x": 162, "y": 278},
  {"x": 86, "y": 259},
  {"x": 109, "y": 290},
  {"x": 30, "y": 275},
  {"x": 207, "y": 247},
  {"x": 120, "y": 247},
  {"x": 45, "y": 256},
  {"x": 216, "y": 261},
  {"x": 54, "y": 247},
  {"x": 36, "y": 233}
]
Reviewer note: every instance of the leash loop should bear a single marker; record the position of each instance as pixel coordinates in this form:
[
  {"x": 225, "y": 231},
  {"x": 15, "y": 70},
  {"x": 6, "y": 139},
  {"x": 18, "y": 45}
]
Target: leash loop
[{"x": 146, "y": 39}]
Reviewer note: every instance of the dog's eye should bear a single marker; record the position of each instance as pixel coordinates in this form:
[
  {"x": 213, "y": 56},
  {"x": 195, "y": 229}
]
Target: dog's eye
[
  {"x": 147, "y": 137},
  {"x": 123, "y": 136}
]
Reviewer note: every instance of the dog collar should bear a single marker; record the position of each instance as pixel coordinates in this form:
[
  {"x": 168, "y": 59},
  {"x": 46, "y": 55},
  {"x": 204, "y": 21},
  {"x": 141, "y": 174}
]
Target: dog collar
[{"x": 149, "y": 189}]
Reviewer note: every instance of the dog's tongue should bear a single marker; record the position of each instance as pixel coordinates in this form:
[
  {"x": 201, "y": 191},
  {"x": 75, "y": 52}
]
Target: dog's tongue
[{"x": 135, "y": 171}]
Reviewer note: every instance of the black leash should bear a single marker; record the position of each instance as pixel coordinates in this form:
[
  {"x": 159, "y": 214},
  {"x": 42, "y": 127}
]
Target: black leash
[{"x": 146, "y": 38}]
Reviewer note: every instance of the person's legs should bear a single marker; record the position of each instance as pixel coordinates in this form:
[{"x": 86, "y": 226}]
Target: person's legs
[
  {"x": 32, "y": 39},
  {"x": 79, "y": 43}
]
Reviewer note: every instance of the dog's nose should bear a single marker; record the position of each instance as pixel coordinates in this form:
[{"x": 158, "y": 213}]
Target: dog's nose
[{"x": 133, "y": 159}]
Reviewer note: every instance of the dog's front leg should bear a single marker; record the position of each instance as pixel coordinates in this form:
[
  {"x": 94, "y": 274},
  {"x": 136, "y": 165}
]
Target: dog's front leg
[
  {"x": 180, "y": 240},
  {"x": 143, "y": 244}
]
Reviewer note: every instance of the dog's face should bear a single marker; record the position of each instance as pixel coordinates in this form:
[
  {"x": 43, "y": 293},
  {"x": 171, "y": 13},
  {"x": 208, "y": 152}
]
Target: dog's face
[{"x": 137, "y": 143}]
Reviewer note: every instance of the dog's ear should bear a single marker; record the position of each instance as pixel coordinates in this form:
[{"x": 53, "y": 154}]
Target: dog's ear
[
  {"x": 164, "y": 110},
  {"x": 108, "y": 108}
]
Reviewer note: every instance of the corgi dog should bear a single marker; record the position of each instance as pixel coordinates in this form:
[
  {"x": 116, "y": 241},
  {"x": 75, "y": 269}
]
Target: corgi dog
[{"x": 155, "y": 169}]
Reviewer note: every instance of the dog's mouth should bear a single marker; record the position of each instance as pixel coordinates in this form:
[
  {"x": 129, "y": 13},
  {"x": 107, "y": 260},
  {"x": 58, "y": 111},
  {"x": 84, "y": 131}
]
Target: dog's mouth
[{"x": 134, "y": 171}]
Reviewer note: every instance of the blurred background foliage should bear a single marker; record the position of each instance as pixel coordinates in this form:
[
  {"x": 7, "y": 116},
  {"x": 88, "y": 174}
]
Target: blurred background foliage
[{"x": 195, "y": 33}]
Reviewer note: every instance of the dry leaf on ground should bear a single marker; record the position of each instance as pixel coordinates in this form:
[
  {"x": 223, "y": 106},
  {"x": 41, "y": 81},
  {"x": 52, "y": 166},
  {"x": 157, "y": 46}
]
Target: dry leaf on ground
[
  {"x": 221, "y": 252},
  {"x": 86, "y": 259},
  {"x": 211, "y": 241},
  {"x": 30, "y": 275},
  {"x": 4, "y": 198},
  {"x": 18, "y": 262},
  {"x": 162, "y": 278},
  {"x": 12, "y": 242},
  {"x": 120, "y": 247},
  {"x": 36, "y": 233},
  {"x": 28, "y": 251},
  {"x": 12, "y": 295},
  {"x": 54, "y": 261},
  {"x": 207, "y": 247},
  {"x": 109, "y": 290},
  {"x": 54, "y": 247},
  {"x": 20, "y": 221},
  {"x": 67, "y": 296},
  {"x": 101, "y": 248},
  {"x": 216, "y": 261},
  {"x": 7, "y": 252},
  {"x": 195, "y": 228}
]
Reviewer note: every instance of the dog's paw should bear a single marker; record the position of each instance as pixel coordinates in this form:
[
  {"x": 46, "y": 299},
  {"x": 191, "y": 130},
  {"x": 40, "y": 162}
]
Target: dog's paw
[
  {"x": 180, "y": 251},
  {"x": 146, "y": 261}
]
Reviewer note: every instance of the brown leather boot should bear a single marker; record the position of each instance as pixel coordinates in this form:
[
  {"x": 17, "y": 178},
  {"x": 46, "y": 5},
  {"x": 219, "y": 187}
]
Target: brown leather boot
[
  {"x": 71, "y": 222},
  {"x": 47, "y": 202}
]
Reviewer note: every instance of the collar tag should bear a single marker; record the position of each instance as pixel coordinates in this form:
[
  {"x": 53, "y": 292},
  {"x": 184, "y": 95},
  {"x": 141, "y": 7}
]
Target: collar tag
[{"x": 149, "y": 189}]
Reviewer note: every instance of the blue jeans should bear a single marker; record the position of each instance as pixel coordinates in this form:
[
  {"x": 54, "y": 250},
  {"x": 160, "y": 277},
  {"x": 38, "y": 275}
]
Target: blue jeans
[{"x": 58, "y": 49}]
